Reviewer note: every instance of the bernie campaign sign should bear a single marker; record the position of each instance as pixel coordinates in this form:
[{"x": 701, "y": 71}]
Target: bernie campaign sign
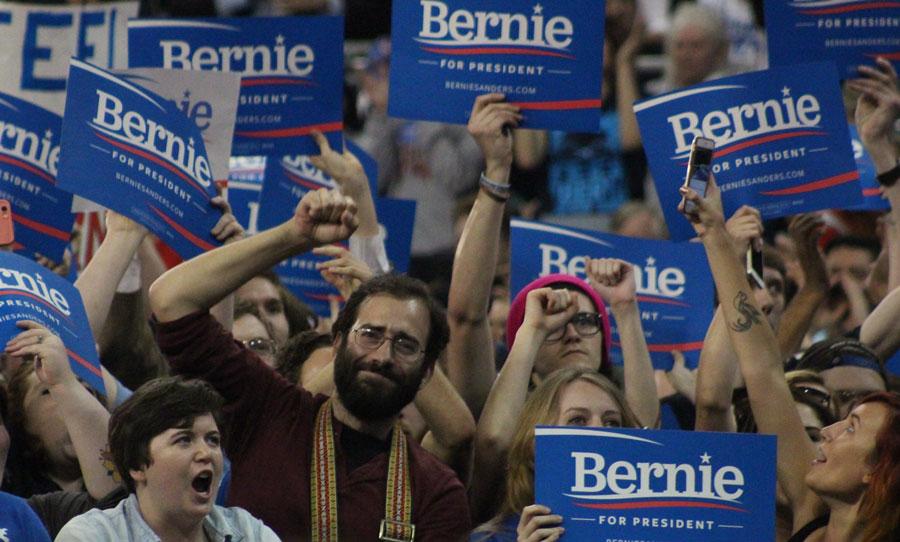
[
  {"x": 871, "y": 190},
  {"x": 245, "y": 181},
  {"x": 546, "y": 57},
  {"x": 673, "y": 282},
  {"x": 292, "y": 72},
  {"x": 37, "y": 41},
  {"x": 781, "y": 142},
  {"x": 29, "y": 291},
  {"x": 135, "y": 152},
  {"x": 286, "y": 182},
  {"x": 849, "y": 32},
  {"x": 207, "y": 98},
  {"x": 29, "y": 155},
  {"x": 665, "y": 486}
]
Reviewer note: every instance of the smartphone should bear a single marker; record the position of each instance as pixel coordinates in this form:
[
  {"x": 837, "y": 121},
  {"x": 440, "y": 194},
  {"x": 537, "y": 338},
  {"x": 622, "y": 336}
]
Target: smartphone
[
  {"x": 698, "y": 171},
  {"x": 6, "y": 223},
  {"x": 755, "y": 267}
]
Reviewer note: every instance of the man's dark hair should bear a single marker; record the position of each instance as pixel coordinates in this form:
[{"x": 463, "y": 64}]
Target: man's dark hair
[
  {"x": 294, "y": 353},
  {"x": 837, "y": 352},
  {"x": 869, "y": 245},
  {"x": 157, "y": 406},
  {"x": 400, "y": 287}
]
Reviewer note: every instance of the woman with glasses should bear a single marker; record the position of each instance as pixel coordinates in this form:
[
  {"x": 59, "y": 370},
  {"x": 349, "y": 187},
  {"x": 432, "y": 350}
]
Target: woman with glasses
[{"x": 558, "y": 322}]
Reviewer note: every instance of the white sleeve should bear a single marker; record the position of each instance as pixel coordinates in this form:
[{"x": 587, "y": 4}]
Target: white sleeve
[{"x": 371, "y": 251}]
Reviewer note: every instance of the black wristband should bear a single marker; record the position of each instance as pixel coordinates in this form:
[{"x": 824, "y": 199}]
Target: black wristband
[{"x": 889, "y": 177}]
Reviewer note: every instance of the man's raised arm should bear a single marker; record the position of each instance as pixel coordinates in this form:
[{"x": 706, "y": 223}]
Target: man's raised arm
[{"x": 321, "y": 217}]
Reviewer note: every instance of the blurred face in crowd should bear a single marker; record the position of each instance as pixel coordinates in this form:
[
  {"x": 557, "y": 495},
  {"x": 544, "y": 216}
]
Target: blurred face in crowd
[
  {"x": 43, "y": 421},
  {"x": 775, "y": 288},
  {"x": 572, "y": 349},
  {"x": 249, "y": 330},
  {"x": 583, "y": 403},
  {"x": 263, "y": 295},
  {"x": 842, "y": 465},
  {"x": 376, "y": 382},
  {"x": 643, "y": 225},
  {"x": 182, "y": 479},
  {"x": 811, "y": 421},
  {"x": 694, "y": 55},
  {"x": 848, "y": 384},
  {"x": 848, "y": 261}
]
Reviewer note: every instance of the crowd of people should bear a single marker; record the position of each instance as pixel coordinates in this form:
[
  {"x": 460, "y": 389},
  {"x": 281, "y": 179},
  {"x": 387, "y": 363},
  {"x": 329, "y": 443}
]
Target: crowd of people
[{"x": 232, "y": 412}]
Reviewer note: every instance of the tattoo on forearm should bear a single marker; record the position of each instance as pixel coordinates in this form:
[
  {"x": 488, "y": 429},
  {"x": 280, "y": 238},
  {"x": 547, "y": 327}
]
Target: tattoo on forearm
[{"x": 749, "y": 314}]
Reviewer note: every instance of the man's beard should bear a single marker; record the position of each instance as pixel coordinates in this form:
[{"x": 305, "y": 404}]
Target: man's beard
[{"x": 365, "y": 400}]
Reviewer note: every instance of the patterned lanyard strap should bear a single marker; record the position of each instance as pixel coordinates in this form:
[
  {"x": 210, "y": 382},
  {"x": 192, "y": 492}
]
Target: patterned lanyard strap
[{"x": 397, "y": 525}]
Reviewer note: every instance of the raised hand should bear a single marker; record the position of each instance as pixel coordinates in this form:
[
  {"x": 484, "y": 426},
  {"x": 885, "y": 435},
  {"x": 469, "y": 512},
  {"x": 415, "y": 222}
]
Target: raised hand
[
  {"x": 344, "y": 271},
  {"x": 538, "y": 524},
  {"x": 325, "y": 216},
  {"x": 709, "y": 208},
  {"x": 746, "y": 228},
  {"x": 227, "y": 229},
  {"x": 613, "y": 279},
  {"x": 547, "y": 310},
  {"x": 879, "y": 103},
  {"x": 343, "y": 167},
  {"x": 805, "y": 229},
  {"x": 51, "y": 360},
  {"x": 490, "y": 125}
]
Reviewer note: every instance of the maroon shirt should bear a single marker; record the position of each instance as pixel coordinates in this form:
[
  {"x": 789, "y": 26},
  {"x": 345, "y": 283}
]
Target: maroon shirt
[{"x": 269, "y": 441}]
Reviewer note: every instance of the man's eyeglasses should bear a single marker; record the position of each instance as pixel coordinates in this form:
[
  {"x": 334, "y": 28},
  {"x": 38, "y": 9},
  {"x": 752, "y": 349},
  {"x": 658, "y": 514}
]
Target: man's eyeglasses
[
  {"x": 403, "y": 348},
  {"x": 260, "y": 345},
  {"x": 586, "y": 324}
]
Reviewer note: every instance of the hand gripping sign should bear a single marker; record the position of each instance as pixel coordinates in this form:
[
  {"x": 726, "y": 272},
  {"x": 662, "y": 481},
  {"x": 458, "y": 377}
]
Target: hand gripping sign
[
  {"x": 849, "y": 32},
  {"x": 665, "y": 486},
  {"x": 673, "y": 282},
  {"x": 245, "y": 178},
  {"x": 781, "y": 142},
  {"x": 292, "y": 72},
  {"x": 37, "y": 41},
  {"x": 29, "y": 155},
  {"x": 545, "y": 56},
  {"x": 135, "y": 152},
  {"x": 286, "y": 181},
  {"x": 29, "y": 291}
]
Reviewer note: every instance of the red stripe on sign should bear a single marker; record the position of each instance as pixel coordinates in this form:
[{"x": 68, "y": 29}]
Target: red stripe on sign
[
  {"x": 681, "y": 347},
  {"x": 275, "y": 81},
  {"x": 42, "y": 228},
  {"x": 181, "y": 230},
  {"x": 847, "y": 9},
  {"x": 871, "y": 192},
  {"x": 764, "y": 139},
  {"x": 815, "y": 185},
  {"x": 28, "y": 167},
  {"x": 293, "y": 132},
  {"x": 663, "y": 300},
  {"x": 658, "y": 504},
  {"x": 37, "y": 298},
  {"x": 303, "y": 181},
  {"x": 84, "y": 363},
  {"x": 889, "y": 56},
  {"x": 560, "y": 105},
  {"x": 494, "y": 51},
  {"x": 156, "y": 160}
]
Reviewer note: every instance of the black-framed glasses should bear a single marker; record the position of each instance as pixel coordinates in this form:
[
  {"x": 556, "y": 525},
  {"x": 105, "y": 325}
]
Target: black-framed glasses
[
  {"x": 586, "y": 324},
  {"x": 260, "y": 345},
  {"x": 403, "y": 348},
  {"x": 817, "y": 396}
]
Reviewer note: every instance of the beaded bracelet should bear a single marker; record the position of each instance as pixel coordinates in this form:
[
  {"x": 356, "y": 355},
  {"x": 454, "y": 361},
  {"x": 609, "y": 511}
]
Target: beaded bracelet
[{"x": 499, "y": 192}]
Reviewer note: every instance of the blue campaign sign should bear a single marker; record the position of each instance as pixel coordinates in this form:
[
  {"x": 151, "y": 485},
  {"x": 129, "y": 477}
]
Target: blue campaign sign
[
  {"x": 545, "y": 56},
  {"x": 29, "y": 156},
  {"x": 245, "y": 181},
  {"x": 131, "y": 150},
  {"x": 665, "y": 486},
  {"x": 781, "y": 142},
  {"x": 849, "y": 32},
  {"x": 674, "y": 284},
  {"x": 29, "y": 291},
  {"x": 286, "y": 182},
  {"x": 292, "y": 72},
  {"x": 871, "y": 190}
]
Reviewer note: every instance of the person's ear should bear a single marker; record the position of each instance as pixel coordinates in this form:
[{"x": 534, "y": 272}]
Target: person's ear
[{"x": 139, "y": 476}]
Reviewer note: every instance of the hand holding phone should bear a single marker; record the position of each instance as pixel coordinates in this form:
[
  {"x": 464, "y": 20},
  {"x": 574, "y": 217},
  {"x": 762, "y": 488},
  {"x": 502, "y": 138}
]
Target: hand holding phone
[{"x": 698, "y": 171}]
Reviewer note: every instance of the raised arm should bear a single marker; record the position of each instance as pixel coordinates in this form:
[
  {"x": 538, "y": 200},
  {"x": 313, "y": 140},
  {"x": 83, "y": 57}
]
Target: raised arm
[
  {"x": 470, "y": 353},
  {"x": 799, "y": 312},
  {"x": 85, "y": 418},
  {"x": 546, "y": 310},
  {"x": 758, "y": 355},
  {"x": 321, "y": 217},
  {"x": 614, "y": 281},
  {"x": 451, "y": 427}
]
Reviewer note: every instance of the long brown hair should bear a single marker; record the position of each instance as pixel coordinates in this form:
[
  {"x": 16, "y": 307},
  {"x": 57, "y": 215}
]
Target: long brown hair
[
  {"x": 542, "y": 407},
  {"x": 879, "y": 510}
]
